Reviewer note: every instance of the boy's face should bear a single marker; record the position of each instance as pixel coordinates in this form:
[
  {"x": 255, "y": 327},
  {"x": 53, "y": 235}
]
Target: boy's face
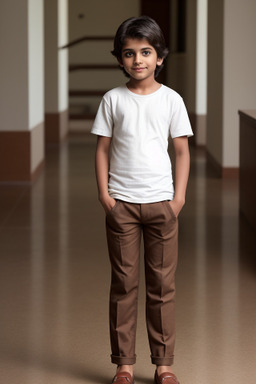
[{"x": 139, "y": 59}]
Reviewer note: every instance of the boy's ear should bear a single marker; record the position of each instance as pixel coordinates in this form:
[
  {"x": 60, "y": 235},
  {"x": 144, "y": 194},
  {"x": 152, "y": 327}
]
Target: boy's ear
[
  {"x": 120, "y": 61},
  {"x": 159, "y": 61}
]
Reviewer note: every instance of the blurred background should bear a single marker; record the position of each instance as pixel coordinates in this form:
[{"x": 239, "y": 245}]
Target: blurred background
[
  {"x": 47, "y": 90},
  {"x": 55, "y": 65}
]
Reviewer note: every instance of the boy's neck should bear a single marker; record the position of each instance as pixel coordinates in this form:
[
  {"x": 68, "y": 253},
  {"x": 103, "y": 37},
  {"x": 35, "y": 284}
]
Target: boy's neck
[{"x": 143, "y": 87}]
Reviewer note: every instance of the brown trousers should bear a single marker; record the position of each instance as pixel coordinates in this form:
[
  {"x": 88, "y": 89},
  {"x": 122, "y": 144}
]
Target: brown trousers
[{"x": 124, "y": 225}]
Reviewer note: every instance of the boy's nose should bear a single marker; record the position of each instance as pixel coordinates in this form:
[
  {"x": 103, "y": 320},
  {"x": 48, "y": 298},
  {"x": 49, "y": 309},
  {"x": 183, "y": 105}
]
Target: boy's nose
[{"x": 137, "y": 59}]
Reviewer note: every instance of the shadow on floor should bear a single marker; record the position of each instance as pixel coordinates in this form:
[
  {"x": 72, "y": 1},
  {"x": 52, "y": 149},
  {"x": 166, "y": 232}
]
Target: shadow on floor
[{"x": 62, "y": 367}]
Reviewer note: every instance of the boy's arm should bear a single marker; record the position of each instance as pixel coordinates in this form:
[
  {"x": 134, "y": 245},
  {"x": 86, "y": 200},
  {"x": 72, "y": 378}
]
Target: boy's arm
[
  {"x": 182, "y": 165},
  {"x": 102, "y": 169}
]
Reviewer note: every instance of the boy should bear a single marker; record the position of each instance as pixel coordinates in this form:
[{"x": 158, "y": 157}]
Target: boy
[{"x": 135, "y": 185}]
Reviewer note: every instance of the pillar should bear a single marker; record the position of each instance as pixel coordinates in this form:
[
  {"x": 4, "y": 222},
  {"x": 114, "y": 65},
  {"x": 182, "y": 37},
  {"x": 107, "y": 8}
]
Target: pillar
[
  {"x": 56, "y": 70},
  {"x": 21, "y": 90},
  {"x": 201, "y": 72}
]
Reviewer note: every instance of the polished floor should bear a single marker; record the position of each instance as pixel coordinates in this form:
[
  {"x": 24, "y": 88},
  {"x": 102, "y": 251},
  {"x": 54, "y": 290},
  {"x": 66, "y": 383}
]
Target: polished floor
[{"x": 54, "y": 279}]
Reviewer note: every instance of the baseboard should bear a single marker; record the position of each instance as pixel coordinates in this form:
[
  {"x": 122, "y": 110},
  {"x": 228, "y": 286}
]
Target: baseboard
[
  {"x": 21, "y": 155},
  {"x": 56, "y": 127},
  {"x": 219, "y": 171}
]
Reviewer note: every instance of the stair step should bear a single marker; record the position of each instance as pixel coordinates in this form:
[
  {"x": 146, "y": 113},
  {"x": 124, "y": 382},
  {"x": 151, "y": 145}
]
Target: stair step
[
  {"x": 77, "y": 67},
  {"x": 81, "y": 92}
]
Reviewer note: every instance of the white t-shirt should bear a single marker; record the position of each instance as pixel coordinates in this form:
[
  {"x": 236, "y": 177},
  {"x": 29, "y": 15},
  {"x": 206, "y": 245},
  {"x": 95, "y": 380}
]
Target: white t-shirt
[{"x": 140, "y": 167}]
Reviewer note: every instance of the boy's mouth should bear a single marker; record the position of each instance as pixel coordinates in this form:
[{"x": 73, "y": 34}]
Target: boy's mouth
[{"x": 138, "y": 69}]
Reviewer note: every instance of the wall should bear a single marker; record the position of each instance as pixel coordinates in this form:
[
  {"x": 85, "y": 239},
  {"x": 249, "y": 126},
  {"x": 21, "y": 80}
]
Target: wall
[
  {"x": 100, "y": 17},
  {"x": 21, "y": 90},
  {"x": 62, "y": 55},
  {"x": 14, "y": 61},
  {"x": 56, "y": 70},
  {"x": 35, "y": 62},
  {"x": 56, "y": 35},
  {"x": 36, "y": 82},
  {"x": 201, "y": 72},
  {"x": 231, "y": 76},
  {"x": 239, "y": 72},
  {"x": 201, "y": 62},
  {"x": 51, "y": 57}
]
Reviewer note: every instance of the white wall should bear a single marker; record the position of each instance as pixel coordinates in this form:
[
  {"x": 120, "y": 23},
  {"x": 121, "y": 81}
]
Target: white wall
[
  {"x": 201, "y": 58},
  {"x": 56, "y": 60},
  {"x": 63, "y": 54},
  {"x": 21, "y": 75},
  {"x": 35, "y": 62}
]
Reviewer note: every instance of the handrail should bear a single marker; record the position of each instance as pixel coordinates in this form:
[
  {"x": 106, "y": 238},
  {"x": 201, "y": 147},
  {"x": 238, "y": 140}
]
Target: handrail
[
  {"x": 83, "y": 92},
  {"x": 77, "y": 67},
  {"x": 87, "y": 38}
]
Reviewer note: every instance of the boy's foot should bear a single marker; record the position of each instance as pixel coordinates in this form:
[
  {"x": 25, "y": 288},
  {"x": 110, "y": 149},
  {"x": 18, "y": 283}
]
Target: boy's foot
[
  {"x": 123, "y": 378},
  {"x": 166, "y": 378}
]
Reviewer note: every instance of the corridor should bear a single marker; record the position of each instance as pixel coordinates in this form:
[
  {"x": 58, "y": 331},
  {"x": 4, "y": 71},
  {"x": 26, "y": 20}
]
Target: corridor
[{"x": 54, "y": 279}]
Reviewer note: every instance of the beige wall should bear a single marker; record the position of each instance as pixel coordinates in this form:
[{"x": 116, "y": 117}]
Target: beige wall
[
  {"x": 62, "y": 55},
  {"x": 36, "y": 81},
  {"x": 231, "y": 75},
  {"x": 100, "y": 17},
  {"x": 239, "y": 67},
  {"x": 14, "y": 66},
  {"x": 56, "y": 60},
  {"x": 51, "y": 56},
  {"x": 201, "y": 72},
  {"x": 36, "y": 62},
  {"x": 201, "y": 57},
  {"x": 21, "y": 89}
]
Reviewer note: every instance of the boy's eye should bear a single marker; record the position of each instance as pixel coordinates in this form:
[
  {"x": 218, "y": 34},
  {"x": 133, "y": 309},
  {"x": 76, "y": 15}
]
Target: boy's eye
[
  {"x": 128, "y": 54},
  {"x": 146, "y": 53}
]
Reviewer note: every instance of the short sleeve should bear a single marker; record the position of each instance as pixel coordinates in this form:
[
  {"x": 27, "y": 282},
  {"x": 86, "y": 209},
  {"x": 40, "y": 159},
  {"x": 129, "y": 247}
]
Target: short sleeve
[
  {"x": 103, "y": 123},
  {"x": 180, "y": 124}
]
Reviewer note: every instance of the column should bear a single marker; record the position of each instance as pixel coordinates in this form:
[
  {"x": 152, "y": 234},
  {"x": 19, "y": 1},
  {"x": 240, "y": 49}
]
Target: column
[
  {"x": 56, "y": 70},
  {"x": 21, "y": 90},
  {"x": 201, "y": 72}
]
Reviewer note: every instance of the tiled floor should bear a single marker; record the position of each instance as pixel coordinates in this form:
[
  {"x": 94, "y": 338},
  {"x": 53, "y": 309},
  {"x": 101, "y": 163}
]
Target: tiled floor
[{"x": 54, "y": 279}]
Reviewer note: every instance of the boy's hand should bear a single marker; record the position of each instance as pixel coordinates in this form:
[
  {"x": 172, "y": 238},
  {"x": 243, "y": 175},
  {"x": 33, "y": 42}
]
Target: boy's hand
[
  {"x": 176, "y": 206},
  {"x": 108, "y": 203}
]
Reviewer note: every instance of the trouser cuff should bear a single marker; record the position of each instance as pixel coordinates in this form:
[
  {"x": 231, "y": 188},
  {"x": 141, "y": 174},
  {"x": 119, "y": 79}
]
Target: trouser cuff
[
  {"x": 162, "y": 360},
  {"x": 122, "y": 360}
]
